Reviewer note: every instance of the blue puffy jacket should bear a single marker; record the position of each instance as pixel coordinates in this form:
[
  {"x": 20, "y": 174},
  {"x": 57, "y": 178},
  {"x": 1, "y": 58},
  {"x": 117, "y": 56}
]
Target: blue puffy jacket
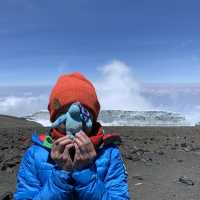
[{"x": 39, "y": 178}]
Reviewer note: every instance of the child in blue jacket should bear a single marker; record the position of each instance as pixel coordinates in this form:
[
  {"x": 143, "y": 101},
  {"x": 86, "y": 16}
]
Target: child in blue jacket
[{"x": 75, "y": 159}]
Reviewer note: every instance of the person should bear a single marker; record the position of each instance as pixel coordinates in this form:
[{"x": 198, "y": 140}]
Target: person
[{"x": 75, "y": 159}]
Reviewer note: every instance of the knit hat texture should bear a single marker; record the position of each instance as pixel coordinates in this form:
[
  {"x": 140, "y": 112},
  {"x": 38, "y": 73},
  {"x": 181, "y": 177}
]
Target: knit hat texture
[{"x": 71, "y": 88}]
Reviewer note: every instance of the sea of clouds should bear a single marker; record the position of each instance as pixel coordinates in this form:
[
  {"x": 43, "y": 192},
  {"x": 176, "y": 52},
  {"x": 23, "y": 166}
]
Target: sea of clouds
[{"x": 118, "y": 89}]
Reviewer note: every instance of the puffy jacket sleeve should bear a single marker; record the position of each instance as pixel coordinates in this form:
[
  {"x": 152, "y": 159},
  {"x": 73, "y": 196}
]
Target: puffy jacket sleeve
[
  {"x": 114, "y": 186},
  {"x": 57, "y": 186}
]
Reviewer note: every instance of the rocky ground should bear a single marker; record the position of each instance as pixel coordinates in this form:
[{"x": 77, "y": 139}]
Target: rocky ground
[{"x": 162, "y": 163}]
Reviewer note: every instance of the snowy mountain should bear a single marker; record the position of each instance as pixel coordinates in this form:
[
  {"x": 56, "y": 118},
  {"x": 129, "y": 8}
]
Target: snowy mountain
[
  {"x": 125, "y": 118},
  {"x": 141, "y": 118}
]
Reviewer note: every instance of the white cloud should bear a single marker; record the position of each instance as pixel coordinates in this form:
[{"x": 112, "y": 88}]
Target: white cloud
[
  {"x": 21, "y": 106},
  {"x": 117, "y": 88}
]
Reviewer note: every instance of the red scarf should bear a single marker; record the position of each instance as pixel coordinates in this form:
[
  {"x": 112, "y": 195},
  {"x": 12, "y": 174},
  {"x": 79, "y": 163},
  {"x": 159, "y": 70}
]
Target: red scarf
[{"x": 97, "y": 136}]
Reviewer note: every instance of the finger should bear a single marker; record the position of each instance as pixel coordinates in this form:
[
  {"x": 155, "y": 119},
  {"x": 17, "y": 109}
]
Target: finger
[
  {"x": 83, "y": 147},
  {"x": 86, "y": 140},
  {"x": 66, "y": 158},
  {"x": 84, "y": 136},
  {"x": 86, "y": 147},
  {"x": 81, "y": 136},
  {"x": 65, "y": 142},
  {"x": 61, "y": 146},
  {"x": 82, "y": 140},
  {"x": 82, "y": 153},
  {"x": 78, "y": 153},
  {"x": 78, "y": 142},
  {"x": 67, "y": 147},
  {"x": 65, "y": 154},
  {"x": 55, "y": 155},
  {"x": 60, "y": 139}
]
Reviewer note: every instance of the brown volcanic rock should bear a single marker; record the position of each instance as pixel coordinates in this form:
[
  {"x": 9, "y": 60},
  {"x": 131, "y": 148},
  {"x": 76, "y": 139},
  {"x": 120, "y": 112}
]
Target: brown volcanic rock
[
  {"x": 10, "y": 121},
  {"x": 155, "y": 157},
  {"x": 15, "y": 138}
]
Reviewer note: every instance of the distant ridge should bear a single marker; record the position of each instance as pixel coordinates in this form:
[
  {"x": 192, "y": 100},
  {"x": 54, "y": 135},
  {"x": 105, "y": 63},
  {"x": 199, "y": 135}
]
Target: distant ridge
[
  {"x": 125, "y": 118},
  {"x": 7, "y": 121},
  {"x": 141, "y": 118}
]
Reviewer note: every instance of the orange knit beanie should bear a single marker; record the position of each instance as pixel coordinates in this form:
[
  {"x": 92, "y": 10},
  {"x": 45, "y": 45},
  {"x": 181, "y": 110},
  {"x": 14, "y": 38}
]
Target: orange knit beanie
[{"x": 70, "y": 88}]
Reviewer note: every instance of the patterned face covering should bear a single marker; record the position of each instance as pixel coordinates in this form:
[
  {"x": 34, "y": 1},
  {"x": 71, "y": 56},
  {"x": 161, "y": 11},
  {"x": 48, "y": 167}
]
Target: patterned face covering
[{"x": 76, "y": 119}]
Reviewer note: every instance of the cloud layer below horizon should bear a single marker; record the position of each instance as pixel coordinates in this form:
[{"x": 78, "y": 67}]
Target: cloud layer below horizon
[{"x": 117, "y": 89}]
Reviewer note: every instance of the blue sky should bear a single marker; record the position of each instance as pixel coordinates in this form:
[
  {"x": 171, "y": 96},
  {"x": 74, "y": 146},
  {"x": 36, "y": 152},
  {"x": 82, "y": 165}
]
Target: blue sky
[{"x": 158, "y": 39}]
